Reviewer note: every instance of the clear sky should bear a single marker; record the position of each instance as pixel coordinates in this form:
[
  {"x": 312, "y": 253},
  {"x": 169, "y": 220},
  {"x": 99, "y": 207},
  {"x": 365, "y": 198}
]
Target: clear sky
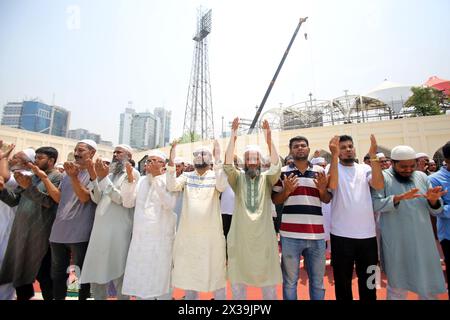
[{"x": 94, "y": 56}]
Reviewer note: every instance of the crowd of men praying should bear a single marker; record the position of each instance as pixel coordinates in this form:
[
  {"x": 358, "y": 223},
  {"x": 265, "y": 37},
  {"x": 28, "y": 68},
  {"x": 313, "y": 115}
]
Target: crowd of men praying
[{"x": 248, "y": 219}]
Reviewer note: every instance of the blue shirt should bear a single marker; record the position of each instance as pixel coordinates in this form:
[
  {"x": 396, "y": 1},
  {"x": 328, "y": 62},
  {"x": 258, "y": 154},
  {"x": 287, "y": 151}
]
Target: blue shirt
[{"x": 442, "y": 179}]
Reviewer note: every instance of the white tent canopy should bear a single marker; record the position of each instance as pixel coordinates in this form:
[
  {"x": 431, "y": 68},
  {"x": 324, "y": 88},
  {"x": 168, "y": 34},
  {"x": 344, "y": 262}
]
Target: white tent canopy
[{"x": 392, "y": 94}]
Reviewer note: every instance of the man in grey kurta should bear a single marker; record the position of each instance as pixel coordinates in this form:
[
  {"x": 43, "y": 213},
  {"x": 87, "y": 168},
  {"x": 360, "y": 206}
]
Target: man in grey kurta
[
  {"x": 27, "y": 256},
  {"x": 408, "y": 251},
  {"x": 73, "y": 223},
  {"x": 111, "y": 234}
]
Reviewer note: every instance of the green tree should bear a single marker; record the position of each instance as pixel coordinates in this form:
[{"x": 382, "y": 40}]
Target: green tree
[
  {"x": 426, "y": 101},
  {"x": 190, "y": 137}
]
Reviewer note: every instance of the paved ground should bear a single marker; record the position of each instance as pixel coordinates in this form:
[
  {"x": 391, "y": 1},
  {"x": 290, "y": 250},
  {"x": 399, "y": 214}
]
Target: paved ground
[{"x": 255, "y": 293}]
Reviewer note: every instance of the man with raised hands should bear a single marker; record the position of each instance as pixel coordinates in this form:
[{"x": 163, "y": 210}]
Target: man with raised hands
[
  {"x": 199, "y": 255},
  {"x": 252, "y": 246},
  {"x": 110, "y": 238}
]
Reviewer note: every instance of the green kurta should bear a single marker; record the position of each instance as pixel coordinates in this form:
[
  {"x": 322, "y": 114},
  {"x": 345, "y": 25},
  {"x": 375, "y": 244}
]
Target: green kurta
[
  {"x": 253, "y": 256},
  {"x": 408, "y": 249}
]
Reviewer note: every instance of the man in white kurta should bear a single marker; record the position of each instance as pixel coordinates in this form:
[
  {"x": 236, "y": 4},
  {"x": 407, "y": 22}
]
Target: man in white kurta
[
  {"x": 199, "y": 249},
  {"x": 111, "y": 233},
  {"x": 253, "y": 257},
  {"x": 149, "y": 263}
]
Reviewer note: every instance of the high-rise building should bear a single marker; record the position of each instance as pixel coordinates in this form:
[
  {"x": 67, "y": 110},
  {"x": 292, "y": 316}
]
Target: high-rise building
[
  {"x": 60, "y": 122},
  {"x": 12, "y": 112},
  {"x": 144, "y": 131},
  {"x": 125, "y": 126},
  {"x": 36, "y": 116},
  {"x": 139, "y": 130},
  {"x": 164, "y": 117},
  {"x": 81, "y": 134}
]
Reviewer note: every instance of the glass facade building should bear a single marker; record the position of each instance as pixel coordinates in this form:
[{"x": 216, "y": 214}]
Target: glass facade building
[{"x": 37, "y": 117}]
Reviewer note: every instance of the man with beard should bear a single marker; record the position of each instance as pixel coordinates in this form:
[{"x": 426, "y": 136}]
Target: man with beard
[
  {"x": 149, "y": 263},
  {"x": 253, "y": 258},
  {"x": 110, "y": 238},
  {"x": 28, "y": 255},
  {"x": 353, "y": 235},
  {"x": 199, "y": 249},
  {"x": 409, "y": 254},
  {"x": 442, "y": 179},
  {"x": 74, "y": 219},
  {"x": 302, "y": 189}
]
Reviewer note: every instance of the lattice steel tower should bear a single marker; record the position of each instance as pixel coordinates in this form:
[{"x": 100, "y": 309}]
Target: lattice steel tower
[{"x": 198, "y": 117}]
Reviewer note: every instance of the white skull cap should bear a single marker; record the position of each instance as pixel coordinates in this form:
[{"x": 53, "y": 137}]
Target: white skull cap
[
  {"x": 421, "y": 155},
  {"x": 158, "y": 154},
  {"x": 403, "y": 153},
  {"x": 178, "y": 160},
  {"x": 30, "y": 153},
  {"x": 252, "y": 148},
  {"x": 125, "y": 147},
  {"x": 202, "y": 149},
  {"x": 89, "y": 142}
]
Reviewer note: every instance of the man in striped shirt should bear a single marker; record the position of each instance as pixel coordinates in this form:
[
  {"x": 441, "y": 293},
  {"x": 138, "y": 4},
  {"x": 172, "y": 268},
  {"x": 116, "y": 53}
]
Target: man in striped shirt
[{"x": 302, "y": 188}]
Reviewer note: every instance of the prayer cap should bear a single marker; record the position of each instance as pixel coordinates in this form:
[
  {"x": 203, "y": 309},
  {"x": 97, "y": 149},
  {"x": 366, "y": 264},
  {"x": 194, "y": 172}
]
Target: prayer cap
[
  {"x": 201, "y": 149},
  {"x": 403, "y": 153},
  {"x": 252, "y": 148},
  {"x": 125, "y": 147},
  {"x": 421, "y": 155},
  {"x": 59, "y": 165},
  {"x": 178, "y": 160},
  {"x": 158, "y": 154},
  {"x": 89, "y": 142},
  {"x": 380, "y": 155},
  {"x": 30, "y": 153}
]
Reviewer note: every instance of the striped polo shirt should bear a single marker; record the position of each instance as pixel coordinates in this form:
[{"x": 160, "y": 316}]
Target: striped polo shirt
[{"x": 302, "y": 212}]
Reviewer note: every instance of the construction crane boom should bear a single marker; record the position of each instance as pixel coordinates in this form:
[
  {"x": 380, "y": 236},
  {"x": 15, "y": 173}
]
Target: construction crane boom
[{"x": 269, "y": 89}]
